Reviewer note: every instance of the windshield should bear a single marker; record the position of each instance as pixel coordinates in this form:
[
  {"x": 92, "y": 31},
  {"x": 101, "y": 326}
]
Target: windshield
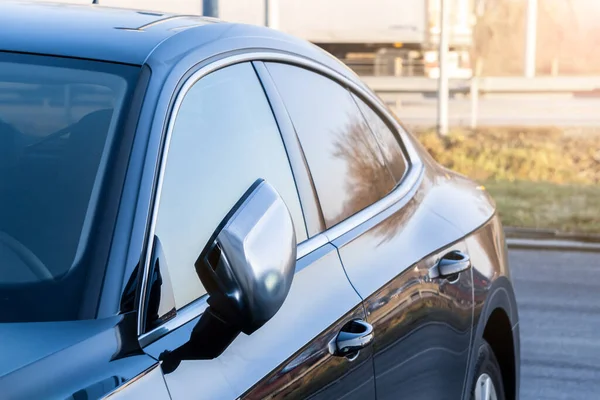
[{"x": 58, "y": 119}]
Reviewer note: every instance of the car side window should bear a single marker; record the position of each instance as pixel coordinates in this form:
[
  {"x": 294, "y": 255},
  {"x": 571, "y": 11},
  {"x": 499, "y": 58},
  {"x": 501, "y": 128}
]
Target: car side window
[
  {"x": 388, "y": 142},
  {"x": 225, "y": 138},
  {"x": 346, "y": 163}
]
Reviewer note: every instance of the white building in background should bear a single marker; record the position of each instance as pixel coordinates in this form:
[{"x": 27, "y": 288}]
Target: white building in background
[{"x": 383, "y": 37}]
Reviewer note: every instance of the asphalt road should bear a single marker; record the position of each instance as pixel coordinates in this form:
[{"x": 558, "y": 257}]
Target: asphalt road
[
  {"x": 514, "y": 110},
  {"x": 558, "y": 296}
]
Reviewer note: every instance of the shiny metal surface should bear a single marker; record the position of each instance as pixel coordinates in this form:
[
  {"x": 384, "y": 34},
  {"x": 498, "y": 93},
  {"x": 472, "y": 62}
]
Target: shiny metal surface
[
  {"x": 195, "y": 309},
  {"x": 422, "y": 324},
  {"x": 310, "y": 245},
  {"x": 387, "y": 251},
  {"x": 315, "y": 373},
  {"x": 150, "y": 384},
  {"x": 495, "y": 308},
  {"x": 460, "y": 201},
  {"x": 320, "y": 302},
  {"x": 484, "y": 388},
  {"x": 184, "y": 315},
  {"x": 82, "y": 31},
  {"x": 257, "y": 247},
  {"x": 418, "y": 232},
  {"x": 398, "y": 193},
  {"x": 422, "y": 332},
  {"x": 451, "y": 264},
  {"x": 354, "y": 336},
  {"x": 69, "y": 360}
]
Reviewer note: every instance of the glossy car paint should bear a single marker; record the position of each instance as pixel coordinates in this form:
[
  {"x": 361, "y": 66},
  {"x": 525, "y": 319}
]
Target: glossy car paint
[
  {"x": 148, "y": 384},
  {"x": 422, "y": 324},
  {"x": 69, "y": 360},
  {"x": 495, "y": 300},
  {"x": 385, "y": 257},
  {"x": 302, "y": 319},
  {"x": 96, "y": 33}
]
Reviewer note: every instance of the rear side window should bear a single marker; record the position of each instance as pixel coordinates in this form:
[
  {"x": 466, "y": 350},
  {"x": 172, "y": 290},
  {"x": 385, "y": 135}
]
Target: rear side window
[
  {"x": 225, "y": 138},
  {"x": 390, "y": 147},
  {"x": 346, "y": 162}
]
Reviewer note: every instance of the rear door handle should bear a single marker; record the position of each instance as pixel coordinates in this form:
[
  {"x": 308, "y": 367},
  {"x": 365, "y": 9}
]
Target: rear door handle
[
  {"x": 353, "y": 337},
  {"x": 452, "y": 264}
]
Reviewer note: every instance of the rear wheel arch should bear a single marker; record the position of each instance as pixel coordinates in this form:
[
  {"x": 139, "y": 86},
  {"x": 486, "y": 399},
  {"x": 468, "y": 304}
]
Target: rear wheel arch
[
  {"x": 499, "y": 334},
  {"x": 497, "y": 321}
]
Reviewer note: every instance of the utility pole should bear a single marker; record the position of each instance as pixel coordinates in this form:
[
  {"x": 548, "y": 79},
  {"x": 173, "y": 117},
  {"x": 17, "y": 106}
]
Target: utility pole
[
  {"x": 272, "y": 14},
  {"x": 531, "y": 37},
  {"x": 442, "y": 122},
  {"x": 210, "y": 8}
]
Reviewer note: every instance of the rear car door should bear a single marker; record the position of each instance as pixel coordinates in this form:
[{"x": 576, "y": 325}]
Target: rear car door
[
  {"x": 370, "y": 186},
  {"x": 221, "y": 138}
]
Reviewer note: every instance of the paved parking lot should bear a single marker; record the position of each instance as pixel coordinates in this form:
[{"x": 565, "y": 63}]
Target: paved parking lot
[{"x": 558, "y": 295}]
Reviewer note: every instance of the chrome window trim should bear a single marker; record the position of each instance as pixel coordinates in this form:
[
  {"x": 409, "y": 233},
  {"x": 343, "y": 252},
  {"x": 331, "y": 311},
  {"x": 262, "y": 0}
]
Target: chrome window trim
[
  {"x": 119, "y": 389},
  {"x": 412, "y": 178},
  {"x": 183, "y": 316},
  {"x": 310, "y": 245}
]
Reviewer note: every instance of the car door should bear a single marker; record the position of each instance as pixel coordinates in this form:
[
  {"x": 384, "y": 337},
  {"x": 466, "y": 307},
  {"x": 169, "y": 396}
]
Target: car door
[
  {"x": 370, "y": 191},
  {"x": 222, "y": 137}
]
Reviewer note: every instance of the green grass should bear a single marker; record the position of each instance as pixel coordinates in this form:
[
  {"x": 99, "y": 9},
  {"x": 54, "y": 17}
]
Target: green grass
[
  {"x": 537, "y": 154},
  {"x": 566, "y": 208},
  {"x": 540, "y": 177}
]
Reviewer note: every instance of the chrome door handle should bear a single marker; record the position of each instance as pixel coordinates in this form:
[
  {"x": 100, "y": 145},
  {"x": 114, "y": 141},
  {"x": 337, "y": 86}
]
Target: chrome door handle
[
  {"x": 353, "y": 337},
  {"x": 451, "y": 265}
]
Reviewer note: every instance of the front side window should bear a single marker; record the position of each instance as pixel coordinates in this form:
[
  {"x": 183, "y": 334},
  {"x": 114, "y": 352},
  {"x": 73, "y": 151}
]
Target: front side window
[
  {"x": 345, "y": 160},
  {"x": 225, "y": 138},
  {"x": 59, "y": 120}
]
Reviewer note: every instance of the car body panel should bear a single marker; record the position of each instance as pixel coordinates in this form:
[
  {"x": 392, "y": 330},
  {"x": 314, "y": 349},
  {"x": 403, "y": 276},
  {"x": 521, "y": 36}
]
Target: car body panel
[
  {"x": 43, "y": 339},
  {"x": 170, "y": 64},
  {"x": 494, "y": 292},
  {"x": 100, "y": 33},
  {"x": 320, "y": 295},
  {"x": 314, "y": 373},
  {"x": 81, "y": 358},
  {"x": 419, "y": 322},
  {"x": 376, "y": 270},
  {"x": 149, "y": 384}
]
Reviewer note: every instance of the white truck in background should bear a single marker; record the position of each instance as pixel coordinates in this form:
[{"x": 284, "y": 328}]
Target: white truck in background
[{"x": 374, "y": 37}]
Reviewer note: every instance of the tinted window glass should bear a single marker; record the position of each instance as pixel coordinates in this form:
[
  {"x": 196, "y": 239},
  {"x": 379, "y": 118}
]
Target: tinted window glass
[
  {"x": 345, "y": 161},
  {"x": 59, "y": 119},
  {"x": 225, "y": 137},
  {"x": 386, "y": 139}
]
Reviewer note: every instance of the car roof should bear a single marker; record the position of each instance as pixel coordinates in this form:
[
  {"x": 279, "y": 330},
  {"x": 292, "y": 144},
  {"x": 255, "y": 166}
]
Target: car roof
[
  {"x": 88, "y": 31},
  {"x": 137, "y": 37}
]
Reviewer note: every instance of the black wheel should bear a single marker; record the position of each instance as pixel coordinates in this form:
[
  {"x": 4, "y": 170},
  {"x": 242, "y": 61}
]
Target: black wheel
[{"x": 487, "y": 382}]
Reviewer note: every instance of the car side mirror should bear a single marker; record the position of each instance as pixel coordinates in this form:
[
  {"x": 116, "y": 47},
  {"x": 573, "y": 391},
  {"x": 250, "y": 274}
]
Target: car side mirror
[
  {"x": 248, "y": 265},
  {"x": 247, "y": 269}
]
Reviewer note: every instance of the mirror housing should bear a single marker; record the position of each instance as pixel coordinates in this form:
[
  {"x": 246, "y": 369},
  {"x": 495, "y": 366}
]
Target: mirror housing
[
  {"x": 248, "y": 265},
  {"x": 247, "y": 269}
]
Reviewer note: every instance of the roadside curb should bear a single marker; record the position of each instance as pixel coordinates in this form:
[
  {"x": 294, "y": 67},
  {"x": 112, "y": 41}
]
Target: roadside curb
[
  {"x": 556, "y": 245},
  {"x": 546, "y": 234},
  {"x": 532, "y": 239}
]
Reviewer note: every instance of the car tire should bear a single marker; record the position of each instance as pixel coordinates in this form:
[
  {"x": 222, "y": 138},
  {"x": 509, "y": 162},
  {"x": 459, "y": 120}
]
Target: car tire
[{"x": 487, "y": 382}]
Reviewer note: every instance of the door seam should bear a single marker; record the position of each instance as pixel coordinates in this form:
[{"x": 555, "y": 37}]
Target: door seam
[{"x": 365, "y": 313}]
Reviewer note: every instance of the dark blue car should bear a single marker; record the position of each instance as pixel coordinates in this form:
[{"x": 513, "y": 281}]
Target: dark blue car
[{"x": 193, "y": 209}]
